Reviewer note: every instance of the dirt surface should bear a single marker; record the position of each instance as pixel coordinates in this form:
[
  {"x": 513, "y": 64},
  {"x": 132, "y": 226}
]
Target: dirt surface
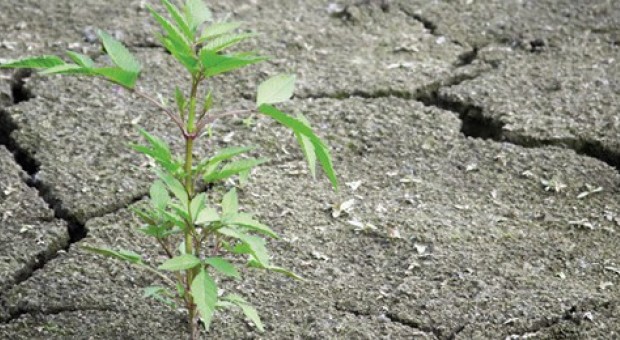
[{"x": 477, "y": 140}]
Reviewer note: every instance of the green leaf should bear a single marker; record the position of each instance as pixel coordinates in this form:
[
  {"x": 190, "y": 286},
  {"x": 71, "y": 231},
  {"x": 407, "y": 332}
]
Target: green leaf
[
  {"x": 118, "y": 75},
  {"x": 255, "y": 264},
  {"x": 181, "y": 262},
  {"x": 228, "y": 153},
  {"x": 219, "y": 28},
  {"x": 160, "y": 294},
  {"x": 178, "y": 42},
  {"x": 244, "y": 176},
  {"x": 159, "y": 195},
  {"x": 249, "y": 311},
  {"x": 145, "y": 216},
  {"x": 187, "y": 58},
  {"x": 255, "y": 246},
  {"x": 45, "y": 61},
  {"x": 215, "y": 64},
  {"x": 225, "y": 41},
  {"x": 196, "y": 13},
  {"x": 180, "y": 99},
  {"x": 124, "y": 255},
  {"x": 223, "y": 266},
  {"x": 321, "y": 151},
  {"x": 251, "y": 245},
  {"x": 159, "y": 146},
  {"x": 207, "y": 215},
  {"x": 208, "y": 103},
  {"x": 306, "y": 146},
  {"x": 197, "y": 205},
  {"x": 234, "y": 168},
  {"x": 230, "y": 204},
  {"x": 158, "y": 231},
  {"x": 81, "y": 59},
  {"x": 276, "y": 89},
  {"x": 173, "y": 184},
  {"x": 204, "y": 291},
  {"x": 246, "y": 220},
  {"x": 119, "y": 54},
  {"x": 66, "y": 69},
  {"x": 179, "y": 19},
  {"x": 174, "y": 219}
]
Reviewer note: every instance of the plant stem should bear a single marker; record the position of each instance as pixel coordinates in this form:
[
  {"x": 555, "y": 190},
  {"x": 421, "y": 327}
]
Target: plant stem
[{"x": 189, "y": 187}]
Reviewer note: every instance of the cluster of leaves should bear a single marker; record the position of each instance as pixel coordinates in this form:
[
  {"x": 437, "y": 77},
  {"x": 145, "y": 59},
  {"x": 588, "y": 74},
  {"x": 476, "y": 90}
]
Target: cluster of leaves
[{"x": 201, "y": 240}]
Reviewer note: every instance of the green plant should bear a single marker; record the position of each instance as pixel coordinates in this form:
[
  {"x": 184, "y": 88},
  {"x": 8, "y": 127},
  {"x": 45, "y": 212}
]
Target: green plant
[{"x": 202, "y": 243}]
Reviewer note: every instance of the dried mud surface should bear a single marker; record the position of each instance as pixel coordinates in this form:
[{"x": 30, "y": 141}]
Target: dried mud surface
[{"x": 477, "y": 142}]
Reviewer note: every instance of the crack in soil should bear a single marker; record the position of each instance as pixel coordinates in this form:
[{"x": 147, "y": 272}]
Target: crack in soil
[
  {"x": 76, "y": 230},
  {"x": 575, "y": 314},
  {"x": 420, "y": 94},
  {"x": 427, "y": 23},
  {"x": 413, "y": 325},
  {"x": 477, "y": 125},
  {"x": 56, "y": 310}
]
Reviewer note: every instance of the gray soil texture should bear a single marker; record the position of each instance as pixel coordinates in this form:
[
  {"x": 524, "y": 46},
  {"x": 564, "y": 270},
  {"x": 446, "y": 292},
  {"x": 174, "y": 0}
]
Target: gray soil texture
[{"x": 477, "y": 144}]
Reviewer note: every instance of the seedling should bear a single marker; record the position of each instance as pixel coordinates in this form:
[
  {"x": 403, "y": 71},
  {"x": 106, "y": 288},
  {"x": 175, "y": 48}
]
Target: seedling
[{"x": 202, "y": 240}]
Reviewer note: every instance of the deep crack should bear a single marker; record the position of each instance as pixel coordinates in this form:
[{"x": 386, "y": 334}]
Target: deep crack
[
  {"x": 478, "y": 125},
  {"x": 428, "y": 24}
]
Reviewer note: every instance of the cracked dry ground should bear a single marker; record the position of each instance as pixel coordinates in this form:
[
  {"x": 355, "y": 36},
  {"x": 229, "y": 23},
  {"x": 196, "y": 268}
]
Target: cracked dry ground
[{"x": 480, "y": 141}]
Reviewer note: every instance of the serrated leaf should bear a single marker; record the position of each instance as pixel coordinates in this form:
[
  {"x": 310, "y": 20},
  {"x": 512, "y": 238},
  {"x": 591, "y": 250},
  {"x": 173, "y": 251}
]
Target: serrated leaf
[
  {"x": 181, "y": 262},
  {"x": 118, "y": 75},
  {"x": 158, "y": 293},
  {"x": 180, "y": 99},
  {"x": 223, "y": 266},
  {"x": 154, "y": 231},
  {"x": 276, "y": 89},
  {"x": 143, "y": 215},
  {"x": 174, "y": 219},
  {"x": 204, "y": 291},
  {"x": 158, "y": 144},
  {"x": 119, "y": 54},
  {"x": 234, "y": 168},
  {"x": 124, "y": 255},
  {"x": 246, "y": 220},
  {"x": 197, "y": 205},
  {"x": 175, "y": 13},
  {"x": 230, "y": 204},
  {"x": 249, "y": 311},
  {"x": 225, "y": 41},
  {"x": 207, "y": 215},
  {"x": 208, "y": 103},
  {"x": 244, "y": 176},
  {"x": 320, "y": 149},
  {"x": 255, "y": 264},
  {"x": 228, "y": 153},
  {"x": 196, "y": 13},
  {"x": 187, "y": 59},
  {"x": 251, "y": 245},
  {"x": 219, "y": 28},
  {"x": 159, "y": 195},
  {"x": 254, "y": 246},
  {"x": 173, "y": 184},
  {"x": 178, "y": 42},
  {"x": 181, "y": 211},
  {"x": 65, "y": 69},
  {"x": 45, "y": 61},
  {"x": 215, "y": 64},
  {"x": 306, "y": 147},
  {"x": 81, "y": 59}
]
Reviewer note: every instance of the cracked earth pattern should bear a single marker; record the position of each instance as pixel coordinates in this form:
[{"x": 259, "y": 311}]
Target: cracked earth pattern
[{"x": 479, "y": 141}]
